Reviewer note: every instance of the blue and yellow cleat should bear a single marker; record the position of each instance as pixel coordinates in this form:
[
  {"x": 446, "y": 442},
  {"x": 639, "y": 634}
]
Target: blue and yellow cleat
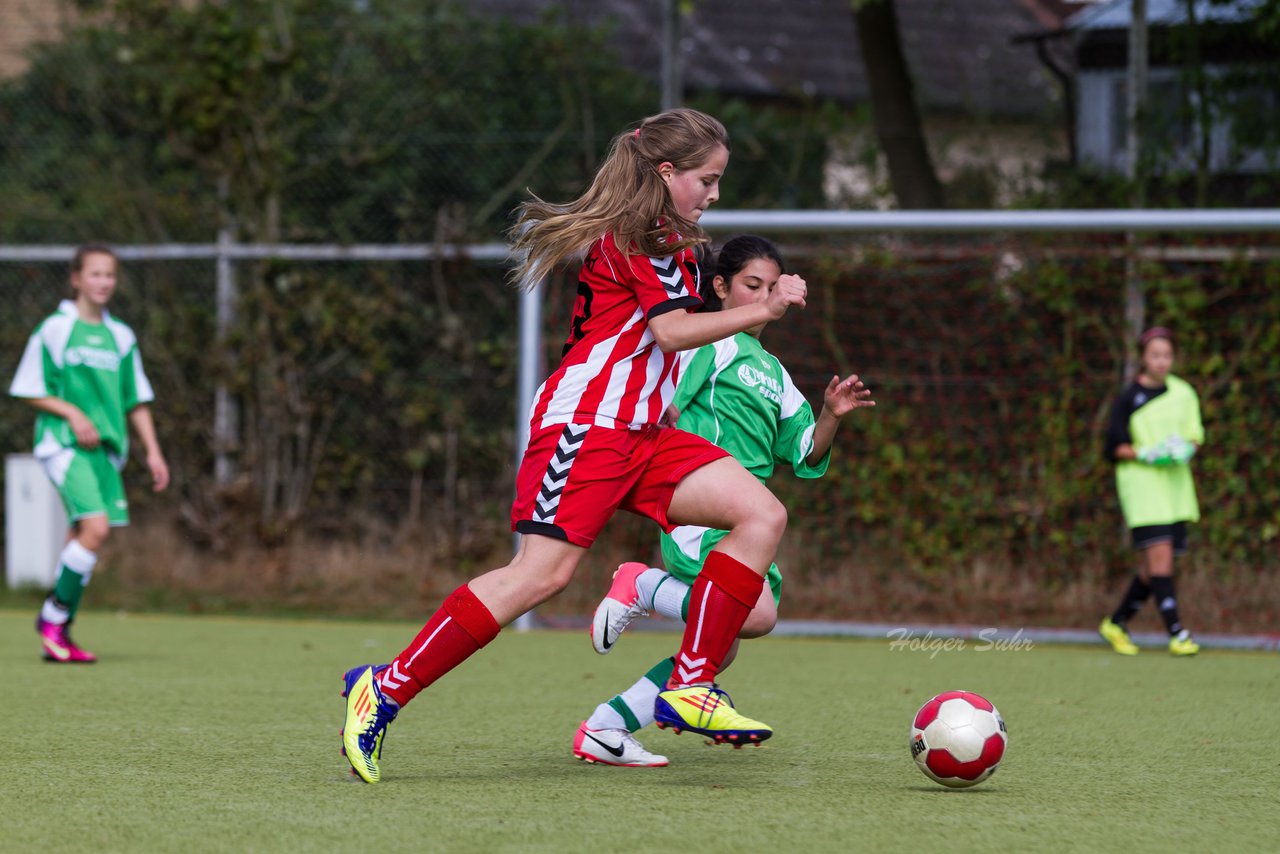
[
  {"x": 368, "y": 713},
  {"x": 710, "y": 712}
]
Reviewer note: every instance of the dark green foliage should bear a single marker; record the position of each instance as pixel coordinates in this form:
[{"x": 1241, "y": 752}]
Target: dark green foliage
[
  {"x": 994, "y": 366},
  {"x": 327, "y": 120},
  {"x": 309, "y": 121},
  {"x": 379, "y": 397},
  {"x": 330, "y": 121}
]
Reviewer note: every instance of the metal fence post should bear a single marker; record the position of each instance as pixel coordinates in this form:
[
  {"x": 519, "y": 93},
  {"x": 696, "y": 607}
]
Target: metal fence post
[
  {"x": 226, "y": 430},
  {"x": 526, "y": 384}
]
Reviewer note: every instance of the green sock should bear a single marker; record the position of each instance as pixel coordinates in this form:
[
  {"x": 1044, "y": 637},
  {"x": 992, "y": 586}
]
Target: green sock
[
  {"x": 76, "y": 567},
  {"x": 68, "y": 590}
]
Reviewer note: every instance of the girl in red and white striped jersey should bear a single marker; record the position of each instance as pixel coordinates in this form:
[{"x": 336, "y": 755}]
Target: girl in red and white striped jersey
[{"x": 595, "y": 445}]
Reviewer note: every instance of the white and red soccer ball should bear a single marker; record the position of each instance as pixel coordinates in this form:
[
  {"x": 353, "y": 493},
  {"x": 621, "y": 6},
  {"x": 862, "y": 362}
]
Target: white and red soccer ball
[{"x": 958, "y": 739}]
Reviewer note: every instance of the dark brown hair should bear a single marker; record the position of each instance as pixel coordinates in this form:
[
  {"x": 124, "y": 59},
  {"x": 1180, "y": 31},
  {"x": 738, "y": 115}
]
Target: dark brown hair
[
  {"x": 1152, "y": 334},
  {"x": 732, "y": 258},
  {"x": 84, "y": 250}
]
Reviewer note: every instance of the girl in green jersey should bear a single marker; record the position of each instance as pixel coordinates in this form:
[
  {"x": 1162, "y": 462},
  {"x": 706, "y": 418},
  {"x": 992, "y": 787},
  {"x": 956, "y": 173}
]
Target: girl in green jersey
[
  {"x": 82, "y": 370},
  {"x": 1154, "y": 431},
  {"x": 739, "y": 396}
]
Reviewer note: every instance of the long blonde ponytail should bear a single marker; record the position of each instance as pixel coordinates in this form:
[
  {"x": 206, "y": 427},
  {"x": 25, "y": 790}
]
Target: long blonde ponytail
[{"x": 627, "y": 197}]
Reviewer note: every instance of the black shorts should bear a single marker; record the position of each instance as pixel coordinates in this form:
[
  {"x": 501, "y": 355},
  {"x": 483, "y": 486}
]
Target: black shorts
[{"x": 1148, "y": 535}]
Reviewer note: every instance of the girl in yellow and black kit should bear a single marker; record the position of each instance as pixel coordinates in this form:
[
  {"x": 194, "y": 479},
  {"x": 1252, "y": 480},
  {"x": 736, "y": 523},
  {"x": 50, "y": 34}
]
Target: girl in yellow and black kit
[{"x": 1155, "y": 430}]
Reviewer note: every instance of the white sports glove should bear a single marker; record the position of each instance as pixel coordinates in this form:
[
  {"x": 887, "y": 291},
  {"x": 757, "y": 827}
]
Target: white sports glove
[
  {"x": 1180, "y": 450},
  {"x": 1155, "y": 455}
]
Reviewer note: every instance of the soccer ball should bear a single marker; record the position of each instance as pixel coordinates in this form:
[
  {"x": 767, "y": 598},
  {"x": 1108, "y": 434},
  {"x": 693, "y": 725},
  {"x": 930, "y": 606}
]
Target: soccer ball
[{"x": 958, "y": 739}]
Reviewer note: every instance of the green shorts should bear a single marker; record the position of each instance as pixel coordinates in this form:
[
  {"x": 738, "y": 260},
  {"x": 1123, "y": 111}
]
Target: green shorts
[
  {"x": 89, "y": 483},
  {"x": 680, "y": 544}
]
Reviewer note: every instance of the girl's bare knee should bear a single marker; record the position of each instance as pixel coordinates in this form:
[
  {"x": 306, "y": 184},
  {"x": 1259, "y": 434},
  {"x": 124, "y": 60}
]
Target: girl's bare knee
[
  {"x": 763, "y": 617},
  {"x": 558, "y": 580},
  {"x": 92, "y": 533},
  {"x": 758, "y": 625},
  {"x": 770, "y": 519},
  {"x": 777, "y": 517}
]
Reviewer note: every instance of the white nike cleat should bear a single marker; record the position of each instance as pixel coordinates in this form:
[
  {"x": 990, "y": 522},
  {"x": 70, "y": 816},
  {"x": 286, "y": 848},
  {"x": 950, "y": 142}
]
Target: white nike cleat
[
  {"x": 618, "y": 608},
  {"x": 613, "y": 747}
]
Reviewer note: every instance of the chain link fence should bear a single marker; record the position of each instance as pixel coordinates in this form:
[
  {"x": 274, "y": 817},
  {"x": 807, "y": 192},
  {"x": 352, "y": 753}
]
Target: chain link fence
[
  {"x": 370, "y": 461},
  {"x": 377, "y": 400}
]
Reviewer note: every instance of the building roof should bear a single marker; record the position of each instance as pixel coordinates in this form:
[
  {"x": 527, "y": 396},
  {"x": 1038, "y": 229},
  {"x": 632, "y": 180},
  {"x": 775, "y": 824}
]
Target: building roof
[
  {"x": 959, "y": 53},
  {"x": 1116, "y": 14}
]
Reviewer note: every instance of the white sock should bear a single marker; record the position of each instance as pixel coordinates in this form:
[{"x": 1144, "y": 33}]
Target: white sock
[
  {"x": 606, "y": 717},
  {"x": 52, "y": 612},
  {"x": 77, "y": 558},
  {"x": 646, "y": 583},
  {"x": 668, "y": 598},
  {"x": 640, "y": 698}
]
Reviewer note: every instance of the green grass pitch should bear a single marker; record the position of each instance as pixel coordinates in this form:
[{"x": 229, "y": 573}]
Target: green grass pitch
[{"x": 221, "y": 734}]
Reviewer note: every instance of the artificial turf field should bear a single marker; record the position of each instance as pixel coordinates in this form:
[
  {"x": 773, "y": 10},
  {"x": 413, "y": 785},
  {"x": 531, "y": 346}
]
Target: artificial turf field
[{"x": 221, "y": 734}]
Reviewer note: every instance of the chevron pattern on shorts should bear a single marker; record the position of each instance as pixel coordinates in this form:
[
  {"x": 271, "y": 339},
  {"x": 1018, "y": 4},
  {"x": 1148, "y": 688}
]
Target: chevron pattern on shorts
[{"x": 548, "y": 500}]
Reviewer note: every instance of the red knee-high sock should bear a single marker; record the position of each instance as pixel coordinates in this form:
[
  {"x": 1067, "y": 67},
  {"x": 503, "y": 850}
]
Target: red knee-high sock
[
  {"x": 723, "y": 595},
  {"x": 461, "y": 627}
]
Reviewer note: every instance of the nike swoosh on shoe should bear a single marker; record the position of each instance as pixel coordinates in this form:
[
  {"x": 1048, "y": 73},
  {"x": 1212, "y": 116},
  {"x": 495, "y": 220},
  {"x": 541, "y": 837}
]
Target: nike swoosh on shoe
[{"x": 616, "y": 751}]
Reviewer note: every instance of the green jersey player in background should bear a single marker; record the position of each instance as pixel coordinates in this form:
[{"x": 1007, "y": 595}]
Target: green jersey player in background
[
  {"x": 739, "y": 396},
  {"x": 82, "y": 370}
]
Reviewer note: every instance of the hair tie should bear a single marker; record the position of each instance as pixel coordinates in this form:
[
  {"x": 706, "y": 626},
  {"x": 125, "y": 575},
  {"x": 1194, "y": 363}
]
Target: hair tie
[
  {"x": 637, "y": 134},
  {"x": 1154, "y": 333}
]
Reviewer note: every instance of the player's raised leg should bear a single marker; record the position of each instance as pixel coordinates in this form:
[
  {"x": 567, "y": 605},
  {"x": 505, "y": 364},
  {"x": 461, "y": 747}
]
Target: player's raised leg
[
  {"x": 624, "y": 602},
  {"x": 639, "y": 590}
]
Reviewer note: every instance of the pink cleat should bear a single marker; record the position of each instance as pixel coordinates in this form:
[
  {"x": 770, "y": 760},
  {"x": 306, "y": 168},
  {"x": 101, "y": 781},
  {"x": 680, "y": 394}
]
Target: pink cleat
[
  {"x": 58, "y": 646},
  {"x": 619, "y": 607}
]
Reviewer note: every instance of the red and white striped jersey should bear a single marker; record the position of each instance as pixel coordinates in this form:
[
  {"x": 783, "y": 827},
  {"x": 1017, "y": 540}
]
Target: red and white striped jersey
[{"x": 612, "y": 372}]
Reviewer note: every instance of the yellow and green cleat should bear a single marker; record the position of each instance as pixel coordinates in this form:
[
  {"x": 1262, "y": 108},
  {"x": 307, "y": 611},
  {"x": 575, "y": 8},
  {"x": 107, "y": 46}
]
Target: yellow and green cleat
[
  {"x": 368, "y": 713},
  {"x": 1115, "y": 634},
  {"x": 707, "y": 710},
  {"x": 1183, "y": 644}
]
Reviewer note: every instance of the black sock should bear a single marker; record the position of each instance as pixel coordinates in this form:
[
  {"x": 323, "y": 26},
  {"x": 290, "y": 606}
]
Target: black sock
[
  {"x": 1133, "y": 598},
  {"x": 1167, "y": 602}
]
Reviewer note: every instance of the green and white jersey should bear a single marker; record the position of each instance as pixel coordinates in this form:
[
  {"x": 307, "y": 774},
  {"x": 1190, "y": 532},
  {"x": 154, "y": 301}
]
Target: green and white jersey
[
  {"x": 94, "y": 366},
  {"x": 739, "y": 396}
]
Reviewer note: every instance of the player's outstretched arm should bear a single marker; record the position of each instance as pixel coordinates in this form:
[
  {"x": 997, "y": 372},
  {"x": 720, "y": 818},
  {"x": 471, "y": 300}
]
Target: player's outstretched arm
[
  {"x": 840, "y": 398},
  {"x": 678, "y": 330}
]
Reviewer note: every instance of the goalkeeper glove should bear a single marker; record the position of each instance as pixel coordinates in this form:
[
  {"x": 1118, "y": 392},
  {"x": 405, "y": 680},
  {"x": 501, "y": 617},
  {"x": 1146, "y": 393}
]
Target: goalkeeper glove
[
  {"x": 1155, "y": 455},
  {"x": 1180, "y": 450}
]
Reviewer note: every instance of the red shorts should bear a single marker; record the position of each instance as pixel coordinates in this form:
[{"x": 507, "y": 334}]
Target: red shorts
[{"x": 574, "y": 477}]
